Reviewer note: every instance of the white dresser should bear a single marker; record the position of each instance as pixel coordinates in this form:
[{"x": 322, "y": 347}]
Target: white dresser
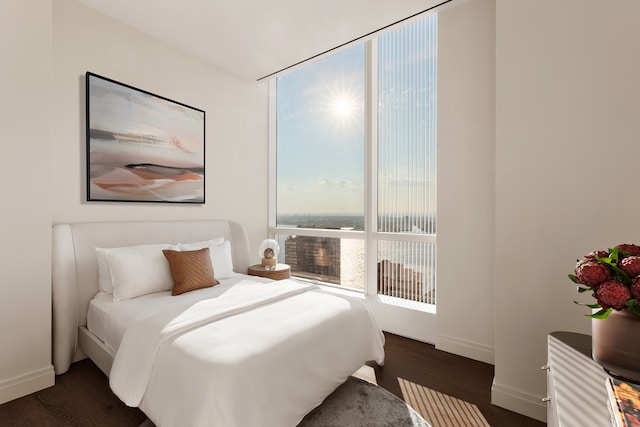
[{"x": 576, "y": 384}]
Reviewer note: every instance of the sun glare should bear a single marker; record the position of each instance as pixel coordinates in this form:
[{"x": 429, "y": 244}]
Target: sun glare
[{"x": 343, "y": 106}]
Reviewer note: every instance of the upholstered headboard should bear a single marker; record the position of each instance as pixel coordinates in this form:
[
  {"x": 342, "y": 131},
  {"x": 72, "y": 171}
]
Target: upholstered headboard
[{"x": 75, "y": 268}]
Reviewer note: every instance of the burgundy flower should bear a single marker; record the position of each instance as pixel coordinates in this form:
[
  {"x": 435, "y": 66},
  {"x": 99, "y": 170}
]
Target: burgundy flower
[
  {"x": 632, "y": 249},
  {"x": 630, "y": 265},
  {"x": 592, "y": 273},
  {"x": 592, "y": 256},
  {"x": 613, "y": 294},
  {"x": 635, "y": 287},
  {"x": 605, "y": 278}
]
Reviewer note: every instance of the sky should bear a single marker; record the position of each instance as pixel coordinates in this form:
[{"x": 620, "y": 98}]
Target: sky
[
  {"x": 320, "y": 136},
  {"x": 321, "y": 128}
]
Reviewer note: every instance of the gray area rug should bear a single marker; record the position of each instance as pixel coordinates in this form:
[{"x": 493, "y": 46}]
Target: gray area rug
[{"x": 358, "y": 403}]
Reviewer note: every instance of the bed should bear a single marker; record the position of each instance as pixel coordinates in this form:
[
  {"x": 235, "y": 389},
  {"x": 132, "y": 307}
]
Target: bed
[{"x": 247, "y": 351}]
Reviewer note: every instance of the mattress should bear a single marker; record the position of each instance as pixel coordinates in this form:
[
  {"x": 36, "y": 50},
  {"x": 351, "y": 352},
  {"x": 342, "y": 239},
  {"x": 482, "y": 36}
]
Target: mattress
[{"x": 108, "y": 320}]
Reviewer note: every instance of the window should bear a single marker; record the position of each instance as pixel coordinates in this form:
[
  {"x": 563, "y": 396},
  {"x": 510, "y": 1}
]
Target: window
[{"x": 354, "y": 194}]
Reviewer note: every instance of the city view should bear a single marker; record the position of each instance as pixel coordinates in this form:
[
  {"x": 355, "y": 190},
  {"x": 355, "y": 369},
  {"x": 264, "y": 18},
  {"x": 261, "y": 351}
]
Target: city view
[{"x": 404, "y": 269}]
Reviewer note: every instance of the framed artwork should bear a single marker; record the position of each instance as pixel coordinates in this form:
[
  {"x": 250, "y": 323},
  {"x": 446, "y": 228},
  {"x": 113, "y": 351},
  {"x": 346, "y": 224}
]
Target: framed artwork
[{"x": 142, "y": 147}]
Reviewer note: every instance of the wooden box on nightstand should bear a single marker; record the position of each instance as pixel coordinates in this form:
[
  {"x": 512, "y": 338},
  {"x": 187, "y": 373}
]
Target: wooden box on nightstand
[{"x": 280, "y": 272}]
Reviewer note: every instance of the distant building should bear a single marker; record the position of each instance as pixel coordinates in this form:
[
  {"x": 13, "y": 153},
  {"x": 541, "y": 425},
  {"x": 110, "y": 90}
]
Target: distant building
[
  {"x": 394, "y": 279},
  {"x": 316, "y": 258}
]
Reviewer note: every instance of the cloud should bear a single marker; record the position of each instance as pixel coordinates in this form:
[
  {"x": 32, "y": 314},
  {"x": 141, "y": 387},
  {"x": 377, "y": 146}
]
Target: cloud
[{"x": 336, "y": 182}]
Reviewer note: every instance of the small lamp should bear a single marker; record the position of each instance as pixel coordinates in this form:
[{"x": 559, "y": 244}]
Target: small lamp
[{"x": 269, "y": 251}]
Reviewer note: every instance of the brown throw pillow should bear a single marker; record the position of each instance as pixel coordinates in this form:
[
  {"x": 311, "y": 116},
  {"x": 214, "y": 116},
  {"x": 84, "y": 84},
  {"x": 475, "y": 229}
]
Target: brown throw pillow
[{"x": 191, "y": 270}]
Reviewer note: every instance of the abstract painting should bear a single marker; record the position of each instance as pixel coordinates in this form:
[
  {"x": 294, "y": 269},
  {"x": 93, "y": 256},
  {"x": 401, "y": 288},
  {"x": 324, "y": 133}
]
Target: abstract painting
[{"x": 142, "y": 147}]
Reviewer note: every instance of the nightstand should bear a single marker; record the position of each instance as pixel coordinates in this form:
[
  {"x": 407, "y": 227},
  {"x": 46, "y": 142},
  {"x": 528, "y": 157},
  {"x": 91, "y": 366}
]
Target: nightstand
[{"x": 281, "y": 272}]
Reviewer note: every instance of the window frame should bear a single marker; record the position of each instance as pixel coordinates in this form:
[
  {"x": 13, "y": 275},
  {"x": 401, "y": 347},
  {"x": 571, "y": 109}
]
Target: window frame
[{"x": 370, "y": 235}]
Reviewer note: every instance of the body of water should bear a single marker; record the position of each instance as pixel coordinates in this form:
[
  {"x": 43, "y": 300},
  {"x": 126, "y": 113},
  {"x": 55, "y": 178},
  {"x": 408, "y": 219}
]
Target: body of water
[{"x": 418, "y": 257}]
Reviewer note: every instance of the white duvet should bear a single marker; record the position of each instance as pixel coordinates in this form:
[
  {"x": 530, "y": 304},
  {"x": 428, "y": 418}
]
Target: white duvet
[{"x": 258, "y": 354}]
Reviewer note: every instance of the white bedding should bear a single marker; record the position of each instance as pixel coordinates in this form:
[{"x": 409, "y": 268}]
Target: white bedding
[
  {"x": 252, "y": 353},
  {"x": 108, "y": 320}
]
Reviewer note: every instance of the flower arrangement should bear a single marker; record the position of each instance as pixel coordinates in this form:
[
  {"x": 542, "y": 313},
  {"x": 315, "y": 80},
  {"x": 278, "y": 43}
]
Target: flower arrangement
[{"x": 614, "y": 278}]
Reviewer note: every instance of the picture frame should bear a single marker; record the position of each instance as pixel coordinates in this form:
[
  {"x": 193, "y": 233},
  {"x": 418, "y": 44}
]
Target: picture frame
[{"x": 142, "y": 147}]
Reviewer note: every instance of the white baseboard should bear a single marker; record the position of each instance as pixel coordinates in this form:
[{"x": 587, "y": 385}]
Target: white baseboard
[
  {"x": 518, "y": 401},
  {"x": 16, "y": 387},
  {"x": 470, "y": 349}
]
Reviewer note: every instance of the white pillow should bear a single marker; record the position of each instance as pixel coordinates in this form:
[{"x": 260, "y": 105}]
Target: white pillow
[
  {"x": 139, "y": 270},
  {"x": 194, "y": 246},
  {"x": 104, "y": 274},
  {"x": 105, "y": 283},
  {"x": 220, "y": 252}
]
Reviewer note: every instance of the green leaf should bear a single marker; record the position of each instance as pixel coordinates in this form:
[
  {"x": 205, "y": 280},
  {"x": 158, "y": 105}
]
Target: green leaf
[
  {"x": 613, "y": 257},
  {"x": 612, "y": 264},
  {"x": 588, "y": 305},
  {"x": 621, "y": 251},
  {"x": 602, "y": 314},
  {"x": 614, "y": 254},
  {"x": 582, "y": 290},
  {"x": 573, "y": 278}
]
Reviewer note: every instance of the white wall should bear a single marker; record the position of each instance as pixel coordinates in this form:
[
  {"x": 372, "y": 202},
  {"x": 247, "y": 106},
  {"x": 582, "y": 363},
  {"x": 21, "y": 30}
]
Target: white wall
[
  {"x": 236, "y": 121},
  {"x": 567, "y": 150},
  {"x": 46, "y": 50},
  {"x": 466, "y": 134},
  {"x": 25, "y": 229}
]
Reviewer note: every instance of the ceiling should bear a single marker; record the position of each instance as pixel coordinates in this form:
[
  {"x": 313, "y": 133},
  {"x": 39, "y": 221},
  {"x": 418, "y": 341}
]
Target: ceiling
[{"x": 255, "y": 38}]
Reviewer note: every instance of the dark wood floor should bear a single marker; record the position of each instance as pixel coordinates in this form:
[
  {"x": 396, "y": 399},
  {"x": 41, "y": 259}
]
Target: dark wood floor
[
  {"x": 82, "y": 398},
  {"x": 447, "y": 373}
]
